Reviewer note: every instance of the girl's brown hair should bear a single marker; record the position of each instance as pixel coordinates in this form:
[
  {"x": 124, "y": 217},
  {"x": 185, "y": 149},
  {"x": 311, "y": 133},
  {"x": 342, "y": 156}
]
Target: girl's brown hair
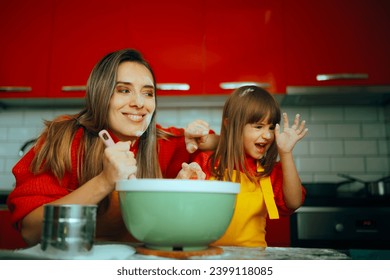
[
  {"x": 54, "y": 145},
  {"x": 246, "y": 105}
]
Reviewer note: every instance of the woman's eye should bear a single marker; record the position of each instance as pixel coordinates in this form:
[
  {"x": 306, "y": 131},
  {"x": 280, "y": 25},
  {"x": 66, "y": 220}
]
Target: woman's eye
[
  {"x": 149, "y": 93},
  {"x": 272, "y": 127},
  {"x": 122, "y": 90}
]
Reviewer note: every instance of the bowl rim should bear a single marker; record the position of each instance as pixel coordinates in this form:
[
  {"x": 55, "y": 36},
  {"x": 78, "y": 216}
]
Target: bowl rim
[{"x": 175, "y": 185}]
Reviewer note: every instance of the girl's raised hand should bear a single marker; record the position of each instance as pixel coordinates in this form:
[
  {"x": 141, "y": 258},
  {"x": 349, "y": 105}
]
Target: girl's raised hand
[{"x": 286, "y": 139}]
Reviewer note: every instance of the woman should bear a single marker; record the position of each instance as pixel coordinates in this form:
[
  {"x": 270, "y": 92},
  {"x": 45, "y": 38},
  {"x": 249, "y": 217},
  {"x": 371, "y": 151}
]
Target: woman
[{"x": 70, "y": 164}]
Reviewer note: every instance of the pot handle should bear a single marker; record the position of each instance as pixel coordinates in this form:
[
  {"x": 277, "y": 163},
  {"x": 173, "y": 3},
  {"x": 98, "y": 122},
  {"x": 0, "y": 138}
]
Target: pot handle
[{"x": 353, "y": 179}]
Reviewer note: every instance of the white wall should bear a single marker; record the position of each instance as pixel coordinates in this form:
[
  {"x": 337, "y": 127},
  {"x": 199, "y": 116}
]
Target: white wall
[{"x": 341, "y": 139}]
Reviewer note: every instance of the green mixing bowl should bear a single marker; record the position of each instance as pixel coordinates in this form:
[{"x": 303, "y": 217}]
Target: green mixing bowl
[{"x": 172, "y": 214}]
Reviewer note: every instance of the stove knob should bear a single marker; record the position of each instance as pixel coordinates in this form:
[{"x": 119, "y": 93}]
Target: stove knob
[{"x": 339, "y": 227}]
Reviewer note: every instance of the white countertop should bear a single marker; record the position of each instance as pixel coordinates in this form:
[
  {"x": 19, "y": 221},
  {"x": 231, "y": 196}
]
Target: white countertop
[{"x": 126, "y": 252}]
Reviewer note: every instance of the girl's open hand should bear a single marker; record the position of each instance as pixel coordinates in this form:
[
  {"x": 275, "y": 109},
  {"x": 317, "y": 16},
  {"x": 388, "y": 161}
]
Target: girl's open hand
[{"x": 286, "y": 139}]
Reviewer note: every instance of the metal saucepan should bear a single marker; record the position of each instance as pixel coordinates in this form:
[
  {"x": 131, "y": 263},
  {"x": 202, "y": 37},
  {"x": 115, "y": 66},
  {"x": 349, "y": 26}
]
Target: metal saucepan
[{"x": 380, "y": 187}]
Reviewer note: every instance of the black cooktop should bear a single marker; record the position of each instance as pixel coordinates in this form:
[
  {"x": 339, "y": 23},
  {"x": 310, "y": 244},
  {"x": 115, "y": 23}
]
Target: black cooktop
[
  {"x": 328, "y": 194},
  {"x": 347, "y": 201}
]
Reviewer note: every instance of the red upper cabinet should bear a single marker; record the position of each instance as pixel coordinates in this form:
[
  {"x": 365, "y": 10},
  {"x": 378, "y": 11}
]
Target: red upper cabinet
[
  {"x": 244, "y": 43},
  {"x": 170, "y": 36},
  {"x": 83, "y": 32},
  {"x": 332, "y": 42},
  {"x": 25, "y": 36}
]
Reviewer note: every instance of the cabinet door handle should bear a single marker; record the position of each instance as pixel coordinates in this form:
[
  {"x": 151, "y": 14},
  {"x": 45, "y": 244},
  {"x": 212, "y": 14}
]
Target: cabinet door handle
[
  {"x": 162, "y": 86},
  {"x": 173, "y": 86},
  {"x": 234, "y": 85},
  {"x": 73, "y": 88},
  {"x": 342, "y": 76},
  {"x": 15, "y": 89}
]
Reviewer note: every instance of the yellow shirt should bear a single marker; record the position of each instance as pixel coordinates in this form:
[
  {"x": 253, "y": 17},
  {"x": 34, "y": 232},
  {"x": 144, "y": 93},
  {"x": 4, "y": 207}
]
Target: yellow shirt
[{"x": 254, "y": 202}]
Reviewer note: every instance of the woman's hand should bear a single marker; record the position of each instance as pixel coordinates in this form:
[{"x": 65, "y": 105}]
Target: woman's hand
[
  {"x": 191, "y": 171},
  {"x": 119, "y": 163},
  {"x": 287, "y": 139},
  {"x": 195, "y": 134}
]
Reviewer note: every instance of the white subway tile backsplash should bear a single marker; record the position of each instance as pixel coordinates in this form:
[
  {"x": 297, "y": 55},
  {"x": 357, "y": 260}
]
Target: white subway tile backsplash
[
  {"x": 3, "y": 133},
  {"x": 306, "y": 178},
  {"x": 36, "y": 117},
  {"x": 9, "y": 149},
  {"x": 185, "y": 116},
  {"x": 347, "y": 164},
  {"x": 304, "y": 113},
  {"x": 373, "y": 130},
  {"x": 363, "y": 113},
  {"x": 11, "y": 117},
  {"x": 358, "y": 147},
  {"x": 66, "y": 111},
  {"x": 383, "y": 147},
  {"x": 2, "y": 165},
  {"x": 316, "y": 130},
  {"x": 11, "y": 161},
  {"x": 166, "y": 117},
  {"x": 216, "y": 119},
  {"x": 301, "y": 148},
  {"x": 313, "y": 164},
  {"x": 344, "y": 130},
  {"x": 378, "y": 164},
  {"x": 22, "y": 133},
  {"x": 7, "y": 182},
  {"x": 333, "y": 114},
  {"x": 332, "y": 147},
  {"x": 341, "y": 139}
]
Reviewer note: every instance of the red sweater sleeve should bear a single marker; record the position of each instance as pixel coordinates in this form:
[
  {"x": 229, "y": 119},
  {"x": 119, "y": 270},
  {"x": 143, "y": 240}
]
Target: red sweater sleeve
[
  {"x": 32, "y": 191},
  {"x": 202, "y": 158},
  {"x": 172, "y": 152}
]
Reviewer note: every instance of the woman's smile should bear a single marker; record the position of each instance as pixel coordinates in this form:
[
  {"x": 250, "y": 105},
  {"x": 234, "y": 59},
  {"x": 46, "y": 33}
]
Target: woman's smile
[{"x": 135, "y": 117}]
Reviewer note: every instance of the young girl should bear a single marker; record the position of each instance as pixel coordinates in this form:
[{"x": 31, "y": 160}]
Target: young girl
[{"x": 250, "y": 142}]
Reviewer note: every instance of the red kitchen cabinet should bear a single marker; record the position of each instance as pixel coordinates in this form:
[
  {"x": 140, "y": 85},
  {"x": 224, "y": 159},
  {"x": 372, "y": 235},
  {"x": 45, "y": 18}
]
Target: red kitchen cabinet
[
  {"x": 337, "y": 43},
  {"x": 170, "y": 36},
  {"x": 24, "y": 51},
  {"x": 244, "y": 43},
  {"x": 83, "y": 32}
]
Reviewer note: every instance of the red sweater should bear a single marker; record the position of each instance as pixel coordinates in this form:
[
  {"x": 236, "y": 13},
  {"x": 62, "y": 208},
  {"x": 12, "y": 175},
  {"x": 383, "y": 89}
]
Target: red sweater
[{"x": 32, "y": 191}]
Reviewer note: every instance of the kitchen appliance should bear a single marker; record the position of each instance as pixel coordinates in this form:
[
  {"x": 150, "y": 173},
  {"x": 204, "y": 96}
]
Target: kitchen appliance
[
  {"x": 380, "y": 187},
  {"x": 341, "y": 219}
]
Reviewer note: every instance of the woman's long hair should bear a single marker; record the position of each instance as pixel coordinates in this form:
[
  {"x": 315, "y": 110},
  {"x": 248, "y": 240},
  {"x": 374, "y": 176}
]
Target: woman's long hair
[
  {"x": 246, "y": 105},
  {"x": 54, "y": 145}
]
